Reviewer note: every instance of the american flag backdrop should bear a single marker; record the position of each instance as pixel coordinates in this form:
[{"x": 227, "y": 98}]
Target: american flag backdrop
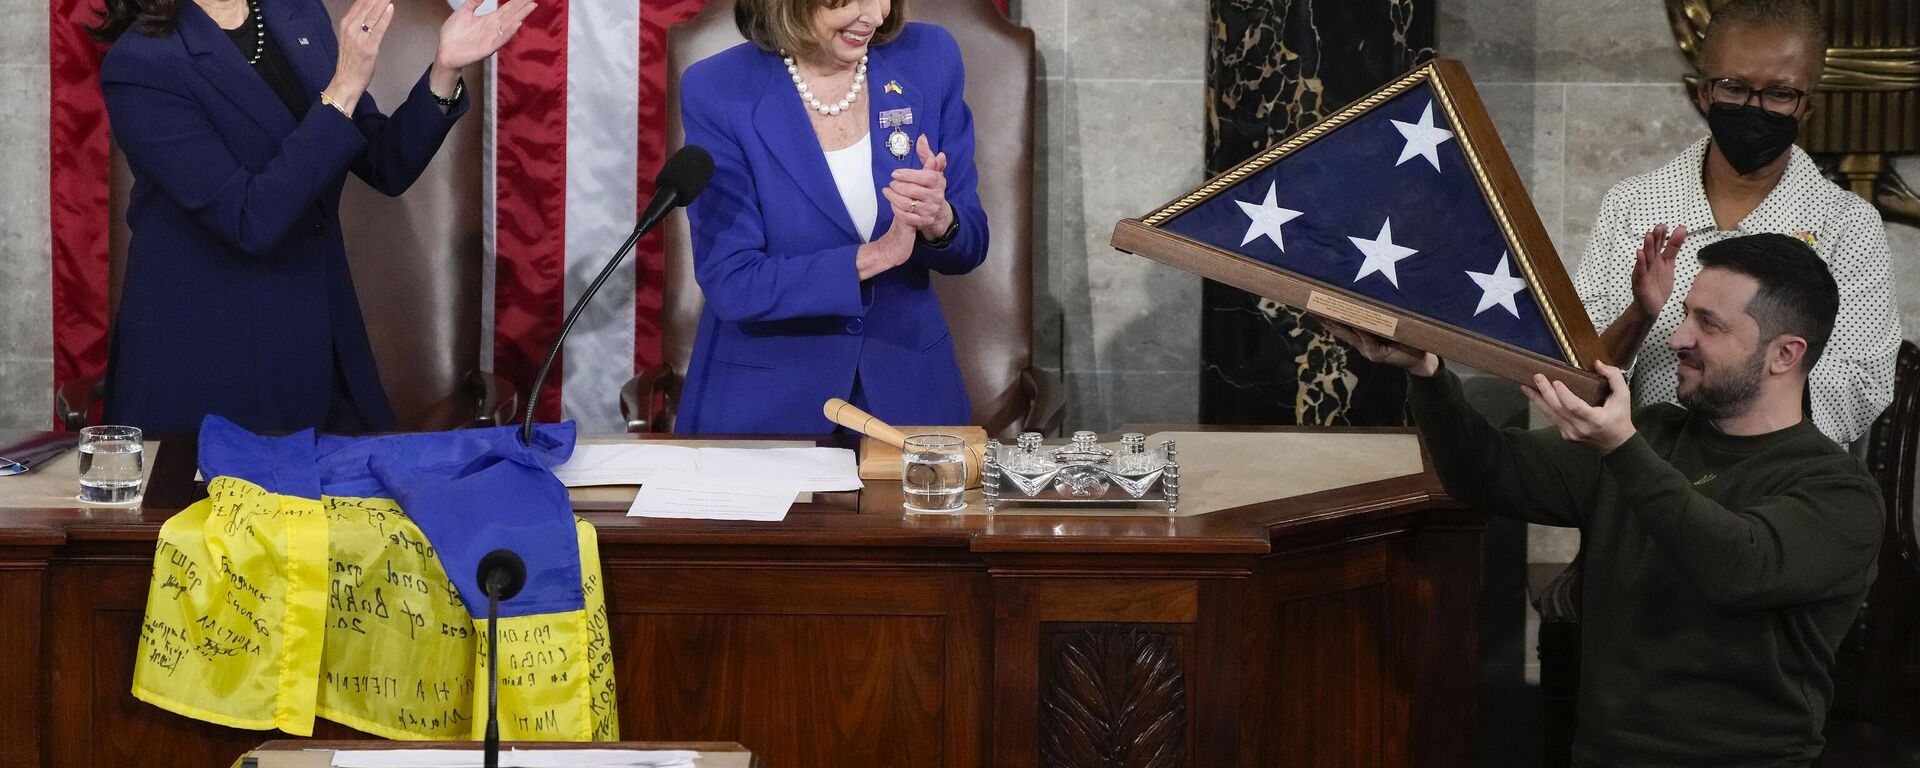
[{"x": 1386, "y": 206}]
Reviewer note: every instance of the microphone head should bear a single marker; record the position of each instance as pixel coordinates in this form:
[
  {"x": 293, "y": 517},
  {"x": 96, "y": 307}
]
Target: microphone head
[
  {"x": 506, "y": 566},
  {"x": 686, "y": 173}
]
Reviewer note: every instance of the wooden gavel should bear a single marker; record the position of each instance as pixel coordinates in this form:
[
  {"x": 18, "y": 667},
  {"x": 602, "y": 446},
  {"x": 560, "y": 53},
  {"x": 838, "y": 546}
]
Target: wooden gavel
[{"x": 847, "y": 415}]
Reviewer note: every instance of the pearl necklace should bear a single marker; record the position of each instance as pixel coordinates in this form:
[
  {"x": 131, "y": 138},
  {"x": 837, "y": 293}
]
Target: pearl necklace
[
  {"x": 259, "y": 32},
  {"x": 806, "y": 94}
]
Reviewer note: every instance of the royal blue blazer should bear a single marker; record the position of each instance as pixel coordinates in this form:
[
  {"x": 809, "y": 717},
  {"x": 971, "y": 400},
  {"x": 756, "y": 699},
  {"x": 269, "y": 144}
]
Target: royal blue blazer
[
  {"x": 237, "y": 300},
  {"x": 788, "y": 323}
]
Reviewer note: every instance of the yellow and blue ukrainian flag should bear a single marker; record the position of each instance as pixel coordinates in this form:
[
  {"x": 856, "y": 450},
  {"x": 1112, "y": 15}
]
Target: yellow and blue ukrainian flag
[{"x": 335, "y": 577}]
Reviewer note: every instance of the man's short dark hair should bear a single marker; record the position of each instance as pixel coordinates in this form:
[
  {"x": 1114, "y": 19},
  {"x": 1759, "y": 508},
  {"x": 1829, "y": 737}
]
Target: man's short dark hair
[
  {"x": 1797, "y": 293},
  {"x": 1803, "y": 16}
]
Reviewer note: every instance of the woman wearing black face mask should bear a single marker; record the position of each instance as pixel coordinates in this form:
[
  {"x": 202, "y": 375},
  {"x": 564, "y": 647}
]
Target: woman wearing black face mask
[
  {"x": 1752, "y": 126},
  {"x": 1759, "y": 66}
]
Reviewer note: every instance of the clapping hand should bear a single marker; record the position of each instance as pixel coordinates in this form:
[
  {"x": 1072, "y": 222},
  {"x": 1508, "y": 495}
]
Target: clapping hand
[
  {"x": 360, "y": 31},
  {"x": 467, "y": 37},
  {"x": 891, "y": 250},
  {"x": 1653, "y": 269},
  {"x": 920, "y": 196}
]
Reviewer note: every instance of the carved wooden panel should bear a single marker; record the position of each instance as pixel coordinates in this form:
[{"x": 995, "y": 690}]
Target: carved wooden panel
[{"x": 1114, "y": 696}]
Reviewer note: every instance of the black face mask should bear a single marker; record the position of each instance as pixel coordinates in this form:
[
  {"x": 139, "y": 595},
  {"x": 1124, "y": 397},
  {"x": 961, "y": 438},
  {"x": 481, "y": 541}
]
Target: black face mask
[{"x": 1748, "y": 136}]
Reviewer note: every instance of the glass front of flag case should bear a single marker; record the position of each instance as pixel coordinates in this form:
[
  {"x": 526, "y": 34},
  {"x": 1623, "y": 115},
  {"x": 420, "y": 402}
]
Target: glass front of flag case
[{"x": 1400, "y": 215}]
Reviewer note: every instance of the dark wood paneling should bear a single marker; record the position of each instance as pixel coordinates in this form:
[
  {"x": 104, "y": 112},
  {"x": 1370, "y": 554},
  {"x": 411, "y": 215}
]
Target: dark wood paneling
[
  {"x": 1316, "y": 673},
  {"x": 802, "y": 690},
  {"x": 22, "y": 611},
  {"x": 1434, "y": 583},
  {"x": 809, "y": 667},
  {"x": 1329, "y": 677}
]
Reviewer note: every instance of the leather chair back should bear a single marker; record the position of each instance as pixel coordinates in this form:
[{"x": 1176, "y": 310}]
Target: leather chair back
[
  {"x": 417, "y": 258},
  {"x": 1891, "y": 617},
  {"x": 990, "y": 311}
]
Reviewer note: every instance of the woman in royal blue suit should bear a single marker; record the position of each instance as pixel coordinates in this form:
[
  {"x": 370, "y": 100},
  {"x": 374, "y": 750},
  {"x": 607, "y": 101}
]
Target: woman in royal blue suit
[
  {"x": 240, "y": 120},
  {"x": 828, "y": 210}
]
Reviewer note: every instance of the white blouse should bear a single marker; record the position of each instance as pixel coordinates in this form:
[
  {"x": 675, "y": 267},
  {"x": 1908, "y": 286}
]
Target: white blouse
[{"x": 853, "y": 173}]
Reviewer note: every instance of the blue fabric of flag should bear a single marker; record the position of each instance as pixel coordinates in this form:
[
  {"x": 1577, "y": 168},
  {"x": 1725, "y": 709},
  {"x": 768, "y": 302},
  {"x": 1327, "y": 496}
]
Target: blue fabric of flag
[
  {"x": 1351, "y": 181},
  {"x": 470, "y": 491}
]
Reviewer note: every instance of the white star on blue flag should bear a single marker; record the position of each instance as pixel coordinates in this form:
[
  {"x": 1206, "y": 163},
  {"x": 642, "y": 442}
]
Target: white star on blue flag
[
  {"x": 1382, "y": 254},
  {"x": 1423, "y": 139},
  {"x": 1497, "y": 288},
  {"x": 1265, "y": 218}
]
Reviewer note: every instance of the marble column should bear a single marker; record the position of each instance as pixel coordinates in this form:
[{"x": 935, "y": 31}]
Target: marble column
[
  {"x": 26, "y": 284},
  {"x": 1273, "y": 68}
]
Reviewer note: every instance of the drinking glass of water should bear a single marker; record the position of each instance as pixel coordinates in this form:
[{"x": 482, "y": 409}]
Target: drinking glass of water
[
  {"x": 933, "y": 473},
  {"x": 110, "y": 465}
]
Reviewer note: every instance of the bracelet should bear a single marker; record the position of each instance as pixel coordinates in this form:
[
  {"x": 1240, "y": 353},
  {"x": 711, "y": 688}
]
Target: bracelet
[
  {"x": 945, "y": 237},
  {"x": 328, "y": 100},
  {"x": 459, "y": 87}
]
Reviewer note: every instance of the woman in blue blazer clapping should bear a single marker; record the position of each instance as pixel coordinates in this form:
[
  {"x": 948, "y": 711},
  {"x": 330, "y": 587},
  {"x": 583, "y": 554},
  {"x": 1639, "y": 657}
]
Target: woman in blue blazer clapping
[
  {"x": 240, "y": 120},
  {"x": 843, "y": 177}
]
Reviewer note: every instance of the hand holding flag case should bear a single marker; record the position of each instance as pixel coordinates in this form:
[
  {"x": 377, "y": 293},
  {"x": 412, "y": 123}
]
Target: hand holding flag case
[{"x": 1400, "y": 215}]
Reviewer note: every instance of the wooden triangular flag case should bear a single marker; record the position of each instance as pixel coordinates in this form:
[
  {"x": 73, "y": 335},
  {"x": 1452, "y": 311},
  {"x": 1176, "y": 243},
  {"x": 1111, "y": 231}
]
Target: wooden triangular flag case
[{"x": 1401, "y": 215}]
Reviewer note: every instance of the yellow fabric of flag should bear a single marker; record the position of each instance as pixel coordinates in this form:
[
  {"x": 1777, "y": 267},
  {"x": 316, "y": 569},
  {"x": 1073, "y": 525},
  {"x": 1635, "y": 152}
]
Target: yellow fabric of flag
[{"x": 266, "y": 610}]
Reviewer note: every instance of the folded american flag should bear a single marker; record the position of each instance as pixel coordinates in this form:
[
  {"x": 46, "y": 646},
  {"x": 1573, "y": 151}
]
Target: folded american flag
[{"x": 1386, "y": 205}]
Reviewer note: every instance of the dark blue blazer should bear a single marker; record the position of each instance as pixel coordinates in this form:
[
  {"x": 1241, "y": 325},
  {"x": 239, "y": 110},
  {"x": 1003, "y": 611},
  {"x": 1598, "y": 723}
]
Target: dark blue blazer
[
  {"x": 788, "y": 323},
  {"x": 237, "y": 299}
]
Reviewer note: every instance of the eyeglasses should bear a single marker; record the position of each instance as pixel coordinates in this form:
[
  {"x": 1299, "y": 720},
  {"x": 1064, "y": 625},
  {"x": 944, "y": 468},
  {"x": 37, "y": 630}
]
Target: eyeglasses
[{"x": 1778, "y": 99}]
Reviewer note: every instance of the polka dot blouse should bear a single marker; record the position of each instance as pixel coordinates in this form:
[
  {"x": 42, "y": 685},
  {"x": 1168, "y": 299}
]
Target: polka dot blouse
[{"x": 1853, "y": 380}]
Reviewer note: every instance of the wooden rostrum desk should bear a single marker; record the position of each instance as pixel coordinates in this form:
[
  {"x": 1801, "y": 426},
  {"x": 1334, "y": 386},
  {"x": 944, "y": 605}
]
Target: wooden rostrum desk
[{"x": 1332, "y": 628}]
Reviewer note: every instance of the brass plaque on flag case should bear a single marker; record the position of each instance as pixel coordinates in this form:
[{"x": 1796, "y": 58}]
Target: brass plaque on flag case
[{"x": 1400, "y": 214}]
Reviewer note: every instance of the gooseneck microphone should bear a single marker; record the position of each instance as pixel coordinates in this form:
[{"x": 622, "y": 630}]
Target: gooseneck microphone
[
  {"x": 680, "y": 181},
  {"x": 501, "y": 575}
]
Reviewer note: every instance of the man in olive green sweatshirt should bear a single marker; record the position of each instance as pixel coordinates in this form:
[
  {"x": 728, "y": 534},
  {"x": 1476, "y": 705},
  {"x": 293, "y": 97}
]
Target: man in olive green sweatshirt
[{"x": 1729, "y": 543}]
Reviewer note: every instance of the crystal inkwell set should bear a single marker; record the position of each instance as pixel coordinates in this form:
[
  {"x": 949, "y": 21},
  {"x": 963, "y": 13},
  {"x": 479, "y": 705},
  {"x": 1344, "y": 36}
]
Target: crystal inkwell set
[{"x": 1082, "y": 472}]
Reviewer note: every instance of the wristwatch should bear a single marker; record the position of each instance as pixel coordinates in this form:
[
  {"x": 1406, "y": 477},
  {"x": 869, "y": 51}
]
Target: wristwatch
[
  {"x": 945, "y": 237},
  {"x": 459, "y": 87}
]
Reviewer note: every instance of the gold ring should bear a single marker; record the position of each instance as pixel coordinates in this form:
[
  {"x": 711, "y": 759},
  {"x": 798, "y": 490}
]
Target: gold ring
[
  {"x": 913, "y": 206},
  {"x": 366, "y": 28}
]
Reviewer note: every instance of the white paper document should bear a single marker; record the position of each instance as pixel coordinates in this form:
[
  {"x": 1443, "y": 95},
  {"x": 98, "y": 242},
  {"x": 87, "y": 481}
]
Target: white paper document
[
  {"x": 715, "y": 497},
  {"x": 815, "y": 469},
  {"x": 515, "y": 758},
  {"x": 624, "y": 463}
]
